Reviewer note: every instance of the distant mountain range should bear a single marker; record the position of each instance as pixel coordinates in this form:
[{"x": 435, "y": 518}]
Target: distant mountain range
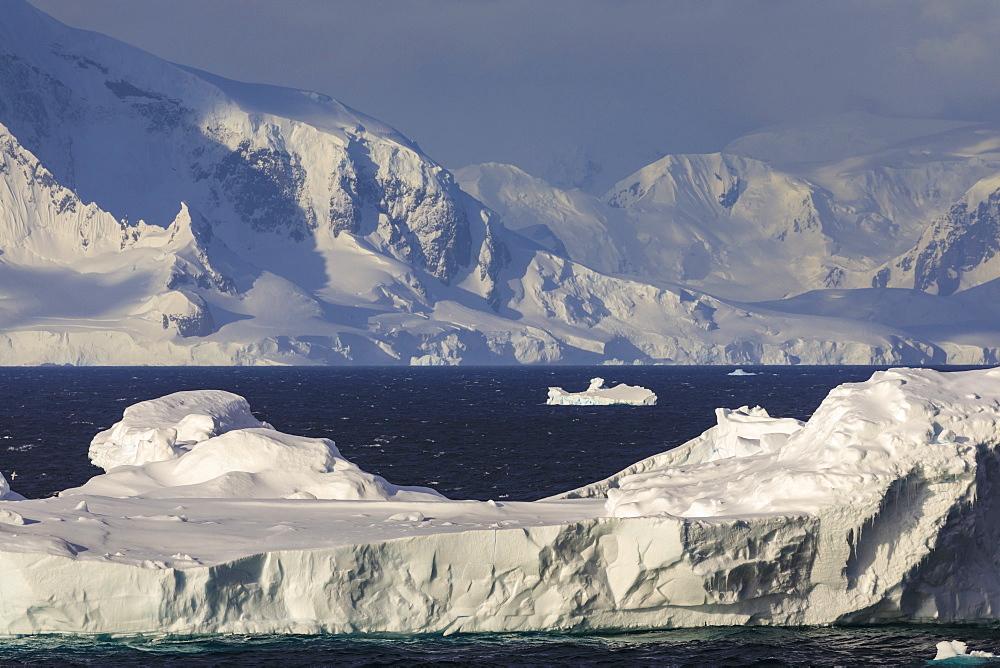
[{"x": 155, "y": 214}]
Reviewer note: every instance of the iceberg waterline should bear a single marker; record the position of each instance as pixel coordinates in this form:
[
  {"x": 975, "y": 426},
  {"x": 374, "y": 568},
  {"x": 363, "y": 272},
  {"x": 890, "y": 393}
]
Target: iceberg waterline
[{"x": 880, "y": 507}]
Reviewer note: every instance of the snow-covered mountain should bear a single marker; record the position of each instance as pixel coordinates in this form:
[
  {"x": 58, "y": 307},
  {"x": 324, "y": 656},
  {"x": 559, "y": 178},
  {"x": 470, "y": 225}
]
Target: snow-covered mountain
[
  {"x": 277, "y": 214},
  {"x": 855, "y": 219},
  {"x": 154, "y": 214},
  {"x": 778, "y": 212}
]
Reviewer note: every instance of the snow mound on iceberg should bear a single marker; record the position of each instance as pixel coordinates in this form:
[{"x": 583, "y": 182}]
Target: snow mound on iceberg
[
  {"x": 598, "y": 395},
  {"x": 864, "y": 437},
  {"x": 208, "y": 444},
  {"x": 738, "y": 432},
  {"x": 164, "y": 428}
]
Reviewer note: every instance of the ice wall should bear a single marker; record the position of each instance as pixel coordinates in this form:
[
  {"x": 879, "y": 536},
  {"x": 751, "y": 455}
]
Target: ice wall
[{"x": 598, "y": 574}]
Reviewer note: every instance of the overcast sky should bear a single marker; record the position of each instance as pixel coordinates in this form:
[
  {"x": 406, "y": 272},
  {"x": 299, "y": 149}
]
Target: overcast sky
[{"x": 540, "y": 83}]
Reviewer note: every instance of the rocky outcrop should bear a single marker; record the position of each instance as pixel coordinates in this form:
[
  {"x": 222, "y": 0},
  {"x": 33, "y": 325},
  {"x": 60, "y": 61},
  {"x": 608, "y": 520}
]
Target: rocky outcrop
[{"x": 956, "y": 252}]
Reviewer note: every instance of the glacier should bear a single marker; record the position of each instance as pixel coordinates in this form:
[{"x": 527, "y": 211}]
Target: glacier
[
  {"x": 881, "y": 507},
  {"x": 598, "y": 395}
]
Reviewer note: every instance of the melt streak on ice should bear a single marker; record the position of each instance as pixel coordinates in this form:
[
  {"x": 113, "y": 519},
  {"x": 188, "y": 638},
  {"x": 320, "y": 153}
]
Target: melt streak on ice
[{"x": 880, "y": 507}]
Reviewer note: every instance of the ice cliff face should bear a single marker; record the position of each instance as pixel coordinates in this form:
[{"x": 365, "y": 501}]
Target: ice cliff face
[
  {"x": 882, "y": 507},
  {"x": 880, "y": 459},
  {"x": 153, "y": 214}
]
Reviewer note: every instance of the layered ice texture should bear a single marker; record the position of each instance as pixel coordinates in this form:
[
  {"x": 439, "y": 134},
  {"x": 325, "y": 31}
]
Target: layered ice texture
[
  {"x": 881, "y": 507},
  {"x": 598, "y": 395}
]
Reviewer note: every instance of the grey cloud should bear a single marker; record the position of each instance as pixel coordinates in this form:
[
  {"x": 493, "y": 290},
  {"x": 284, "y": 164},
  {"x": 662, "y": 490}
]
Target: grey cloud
[{"x": 526, "y": 82}]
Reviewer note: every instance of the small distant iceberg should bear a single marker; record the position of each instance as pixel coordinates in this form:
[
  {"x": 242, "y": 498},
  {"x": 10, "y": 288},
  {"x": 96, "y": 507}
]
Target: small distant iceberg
[
  {"x": 598, "y": 395},
  {"x": 741, "y": 372},
  {"x": 955, "y": 652}
]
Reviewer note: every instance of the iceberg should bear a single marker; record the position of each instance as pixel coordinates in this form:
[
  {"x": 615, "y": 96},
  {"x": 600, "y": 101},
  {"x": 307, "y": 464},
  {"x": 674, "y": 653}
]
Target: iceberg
[
  {"x": 741, "y": 372},
  {"x": 598, "y": 395},
  {"x": 957, "y": 652},
  {"x": 882, "y": 507}
]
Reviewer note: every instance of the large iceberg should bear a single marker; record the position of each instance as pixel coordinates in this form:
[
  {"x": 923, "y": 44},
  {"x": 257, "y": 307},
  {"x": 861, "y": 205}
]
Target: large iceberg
[
  {"x": 598, "y": 395},
  {"x": 880, "y": 508}
]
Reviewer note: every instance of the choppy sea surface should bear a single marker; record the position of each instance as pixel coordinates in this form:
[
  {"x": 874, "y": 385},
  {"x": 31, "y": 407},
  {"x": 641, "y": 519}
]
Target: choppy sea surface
[{"x": 470, "y": 433}]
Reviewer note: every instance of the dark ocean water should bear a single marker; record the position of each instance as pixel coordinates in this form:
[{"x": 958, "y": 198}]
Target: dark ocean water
[{"x": 470, "y": 433}]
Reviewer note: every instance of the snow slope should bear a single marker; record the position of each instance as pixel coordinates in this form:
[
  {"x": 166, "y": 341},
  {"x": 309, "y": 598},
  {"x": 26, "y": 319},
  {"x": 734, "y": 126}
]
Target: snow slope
[{"x": 880, "y": 508}]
